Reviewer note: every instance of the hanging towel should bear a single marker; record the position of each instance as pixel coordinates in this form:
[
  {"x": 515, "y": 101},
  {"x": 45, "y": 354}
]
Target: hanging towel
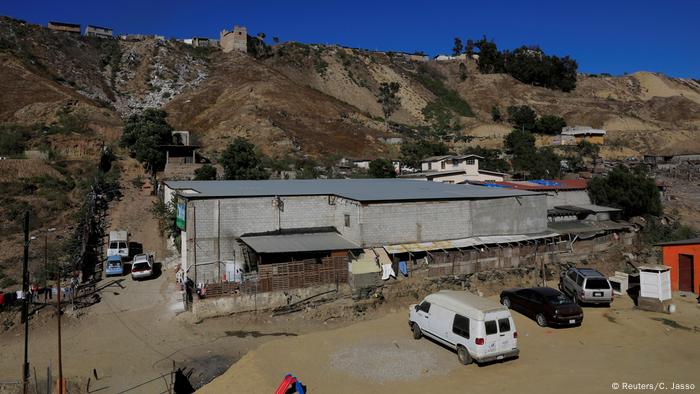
[
  {"x": 387, "y": 272},
  {"x": 403, "y": 268}
]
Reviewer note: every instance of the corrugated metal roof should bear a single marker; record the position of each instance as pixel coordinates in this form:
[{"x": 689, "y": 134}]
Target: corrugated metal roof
[
  {"x": 353, "y": 189},
  {"x": 305, "y": 242},
  {"x": 540, "y": 184},
  {"x": 598, "y": 208},
  {"x": 681, "y": 242},
  {"x": 465, "y": 242}
]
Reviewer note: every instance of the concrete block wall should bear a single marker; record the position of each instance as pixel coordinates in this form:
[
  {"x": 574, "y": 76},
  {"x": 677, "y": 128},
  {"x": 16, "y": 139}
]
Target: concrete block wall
[
  {"x": 509, "y": 216},
  {"x": 568, "y": 197},
  {"x": 407, "y": 222}
]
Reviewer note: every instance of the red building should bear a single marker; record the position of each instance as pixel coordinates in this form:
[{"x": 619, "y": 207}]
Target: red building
[{"x": 684, "y": 259}]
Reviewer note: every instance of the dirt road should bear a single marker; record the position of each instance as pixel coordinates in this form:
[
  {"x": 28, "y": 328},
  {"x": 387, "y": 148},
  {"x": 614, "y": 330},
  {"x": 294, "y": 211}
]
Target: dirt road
[{"x": 615, "y": 345}]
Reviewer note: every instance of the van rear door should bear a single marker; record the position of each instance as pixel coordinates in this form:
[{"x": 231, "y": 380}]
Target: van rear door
[{"x": 500, "y": 332}]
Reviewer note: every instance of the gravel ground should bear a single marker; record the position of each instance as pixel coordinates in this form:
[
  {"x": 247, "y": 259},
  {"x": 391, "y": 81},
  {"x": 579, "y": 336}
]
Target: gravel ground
[{"x": 382, "y": 362}]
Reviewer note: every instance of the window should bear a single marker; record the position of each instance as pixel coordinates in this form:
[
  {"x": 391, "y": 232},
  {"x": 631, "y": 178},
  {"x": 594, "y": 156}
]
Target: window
[
  {"x": 442, "y": 165},
  {"x": 430, "y": 166},
  {"x": 460, "y": 326},
  {"x": 503, "y": 325},
  {"x": 491, "y": 327},
  {"x": 579, "y": 280},
  {"x": 114, "y": 245},
  {"x": 471, "y": 162},
  {"x": 597, "y": 284},
  {"x": 347, "y": 220},
  {"x": 425, "y": 306},
  {"x": 122, "y": 245}
]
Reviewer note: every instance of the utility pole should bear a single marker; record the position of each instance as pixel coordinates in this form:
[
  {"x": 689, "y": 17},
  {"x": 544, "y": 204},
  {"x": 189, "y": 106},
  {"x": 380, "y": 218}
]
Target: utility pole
[
  {"x": 25, "y": 304},
  {"x": 60, "y": 361}
]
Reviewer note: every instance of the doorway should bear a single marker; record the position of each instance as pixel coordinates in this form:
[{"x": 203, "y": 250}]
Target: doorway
[{"x": 685, "y": 273}]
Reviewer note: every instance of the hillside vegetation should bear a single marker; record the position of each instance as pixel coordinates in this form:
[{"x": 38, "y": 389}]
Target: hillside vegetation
[{"x": 317, "y": 100}]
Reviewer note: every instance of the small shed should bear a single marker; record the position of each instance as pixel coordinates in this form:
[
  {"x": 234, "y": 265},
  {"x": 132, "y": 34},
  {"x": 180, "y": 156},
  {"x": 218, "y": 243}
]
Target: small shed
[
  {"x": 683, "y": 258},
  {"x": 655, "y": 282}
]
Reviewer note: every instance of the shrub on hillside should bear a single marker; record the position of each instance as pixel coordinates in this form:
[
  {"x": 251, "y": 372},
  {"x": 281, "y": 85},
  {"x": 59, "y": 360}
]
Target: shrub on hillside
[{"x": 630, "y": 190}]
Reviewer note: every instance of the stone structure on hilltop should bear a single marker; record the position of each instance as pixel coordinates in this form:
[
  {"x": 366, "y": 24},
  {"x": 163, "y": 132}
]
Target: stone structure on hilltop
[{"x": 236, "y": 40}]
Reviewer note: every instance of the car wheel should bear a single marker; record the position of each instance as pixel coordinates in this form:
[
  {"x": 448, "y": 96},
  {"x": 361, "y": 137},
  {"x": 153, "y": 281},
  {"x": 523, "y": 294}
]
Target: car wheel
[
  {"x": 541, "y": 320},
  {"x": 463, "y": 355},
  {"x": 417, "y": 334},
  {"x": 506, "y": 302}
]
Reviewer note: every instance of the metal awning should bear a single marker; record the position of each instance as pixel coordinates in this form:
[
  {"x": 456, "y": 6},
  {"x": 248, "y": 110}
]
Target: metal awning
[
  {"x": 587, "y": 227},
  {"x": 466, "y": 242},
  {"x": 303, "y": 242}
]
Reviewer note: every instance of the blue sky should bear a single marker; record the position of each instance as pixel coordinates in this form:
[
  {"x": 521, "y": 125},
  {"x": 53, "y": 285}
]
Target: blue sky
[{"x": 614, "y": 36}]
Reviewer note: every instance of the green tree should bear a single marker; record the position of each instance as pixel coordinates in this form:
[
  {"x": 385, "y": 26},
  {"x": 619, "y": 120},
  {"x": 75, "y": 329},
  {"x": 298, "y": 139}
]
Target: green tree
[
  {"x": 381, "y": 168},
  {"x": 457, "y": 49},
  {"x": 496, "y": 113},
  {"x": 143, "y": 135},
  {"x": 389, "y": 99},
  {"x": 491, "y": 158},
  {"x": 549, "y": 124},
  {"x": 522, "y": 117},
  {"x": 519, "y": 143},
  {"x": 490, "y": 59},
  {"x": 206, "y": 172},
  {"x": 413, "y": 152},
  {"x": 630, "y": 190},
  {"x": 241, "y": 161},
  {"x": 469, "y": 48}
]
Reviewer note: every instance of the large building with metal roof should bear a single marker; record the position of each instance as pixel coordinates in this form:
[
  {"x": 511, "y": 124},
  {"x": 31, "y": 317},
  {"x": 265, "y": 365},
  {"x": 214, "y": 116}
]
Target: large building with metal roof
[{"x": 254, "y": 222}]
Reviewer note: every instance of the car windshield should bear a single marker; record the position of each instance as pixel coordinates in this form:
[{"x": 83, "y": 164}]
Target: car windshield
[
  {"x": 559, "y": 299},
  {"x": 113, "y": 264},
  {"x": 597, "y": 284},
  {"x": 114, "y": 245},
  {"x": 140, "y": 267}
]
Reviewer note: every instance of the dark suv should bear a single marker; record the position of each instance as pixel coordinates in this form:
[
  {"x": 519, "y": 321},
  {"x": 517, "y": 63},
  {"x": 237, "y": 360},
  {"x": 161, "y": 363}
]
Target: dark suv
[{"x": 586, "y": 285}]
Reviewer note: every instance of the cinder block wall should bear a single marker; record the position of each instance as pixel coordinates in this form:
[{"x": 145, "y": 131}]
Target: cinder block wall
[{"x": 221, "y": 222}]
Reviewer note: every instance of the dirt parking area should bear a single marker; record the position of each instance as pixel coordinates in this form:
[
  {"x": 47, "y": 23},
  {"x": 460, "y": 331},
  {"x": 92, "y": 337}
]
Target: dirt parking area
[{"x": 615, "y": 345}]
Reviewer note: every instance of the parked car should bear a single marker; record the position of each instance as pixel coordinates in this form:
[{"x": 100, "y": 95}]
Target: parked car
[
  {"x": 118, "y": 244},
  {"x": 115, "y": 266},
  {"x": 586, "y": 285},
  {"x": 477, "y": 328},
  {"x": 549, "y": 307},
  {"x": 142, "y": 266}
]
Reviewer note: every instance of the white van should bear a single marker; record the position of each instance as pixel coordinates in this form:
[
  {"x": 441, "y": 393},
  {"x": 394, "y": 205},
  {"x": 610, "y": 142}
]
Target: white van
[
  {"x": 118, "y": 244},
  {"x": 479, "y": 329}
]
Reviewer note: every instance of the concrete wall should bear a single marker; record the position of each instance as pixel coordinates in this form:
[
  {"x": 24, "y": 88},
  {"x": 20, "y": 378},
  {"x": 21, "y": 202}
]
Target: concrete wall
[
  {"x": 569, "y": 197},
  {"x": 220, "y": 223},
  {"x": 222, "y": 306},
  {"x": 509, "y": 216},
  {"x": 236, "y": 40}
]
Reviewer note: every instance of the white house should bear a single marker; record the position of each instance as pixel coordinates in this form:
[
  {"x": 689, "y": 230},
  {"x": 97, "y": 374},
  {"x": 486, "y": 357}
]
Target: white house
[{"x": 454, "y": 169}]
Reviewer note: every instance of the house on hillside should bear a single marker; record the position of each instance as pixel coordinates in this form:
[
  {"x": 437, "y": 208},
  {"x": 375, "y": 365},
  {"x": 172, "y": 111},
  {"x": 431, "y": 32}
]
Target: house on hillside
[
  {"x": 584, "y": 133},
  {"x": 181, "y": 158},
  {"x": 671, "y": 159},
  {"x": 71, "y": 28},
  {"x": 204, "y": 42},
  {"x": 454, "y": 169},
  {"x": 235, "y": 40},
  {"x": 97, "y": 31}
]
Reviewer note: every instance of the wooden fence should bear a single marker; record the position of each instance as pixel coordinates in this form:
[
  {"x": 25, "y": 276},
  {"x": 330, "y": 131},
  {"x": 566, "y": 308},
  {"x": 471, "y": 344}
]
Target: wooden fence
[{"x": 285, "y": 276}]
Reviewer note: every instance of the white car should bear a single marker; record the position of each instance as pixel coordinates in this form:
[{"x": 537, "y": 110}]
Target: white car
[
  {"x": 142, "y": 266},
  {"x": 479, "y": 329}
]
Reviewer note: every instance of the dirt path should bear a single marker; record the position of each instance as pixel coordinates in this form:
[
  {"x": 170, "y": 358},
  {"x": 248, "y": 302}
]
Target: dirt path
[
  {"x": 132, "y": 212},
  {"x": 619, "y": 344}
]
